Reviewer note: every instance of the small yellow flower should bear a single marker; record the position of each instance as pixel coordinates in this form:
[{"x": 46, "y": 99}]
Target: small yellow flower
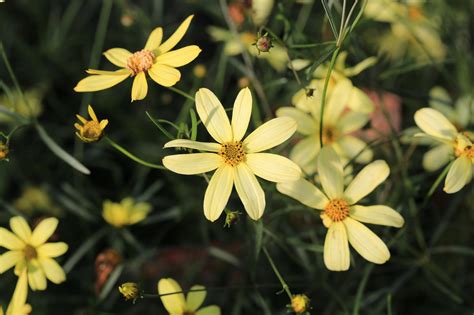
[
  {"x": 32, "y": 108},
  {"x": 18, "y": 304},
  {"x": 28, "y": 251},
  {"x": 156, "y": 59},
  {"x": 236, "y": 159},
  {"x": 127, "y": 212},
  {"x": 130, "y": 290},
  {"x": 454, "y": 145},
  {"x": 91, "y": 130},
  {"x": 4, "y": 150},
  {"x": 341, "y": 213},
  {"x": 34, "y": 198},
  {"x": 299, "y": 303},
  {"x": 177, "y": 304},
  {"x": 199, "y": 71}
]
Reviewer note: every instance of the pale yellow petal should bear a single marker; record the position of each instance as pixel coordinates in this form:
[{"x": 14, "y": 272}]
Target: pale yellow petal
[
  {"x": 361, "y": 66},
  {"x": 10, "y": 259},
  {"x": 36, "y": 277},
  {"x": 179, "y": 57},
  {"x": 306, "y": 151},
  {"x": 52, "y": 270},
  {"x": 43, "y": 231},
  {"x": 52, "y": 250},
  {"x": 350, "y": 147},
  {"x": 273, "y": 167},
  {"x": 459, "y": 174},
  {"x": 304, "y": 192},
  {"x": 241, "y": 113},
  {"x": 164, "y": 75},
  {"x": 17, "y": 305},
  {"x": 99, "y": 82},
  {"x": 190, "y": 144},
  {"x": 337, "y": 101},
  {"x": 438, "y": 156},
  {"x": 365, "y": 242},
  {"x": 435, "y": 124},
  {"x": 249, "y": 190},
  {"x": 195, "y": 298},
  {"x": 209, "y": 310},
  {"x": 366, "y": 181},
  {"x": 352, "y": 121},
  {"x": 173, "y": 303},
  {"x": 379, "y": 214},
  {"x": 306, "y": 125},
  {"x": 191, "y": 164},
  {"x": 139, "y": 87},
  {"x": 360, "y": 102},
  {"x": 270, "y": 134},
  {"x": 336, "y": 248},
  {"x": 21, "y": 228},
  {"x": 213, "y": 115},
  {"x": 91, "y": 112},
  {"x": 118, "y": 56},
  {"x": 218, "y": 192},
  {"x": 9, "y": 240},
  {"x": 331, "y": 173},
  {"x": 176, "y": 37},
  {"x": 154, "y": 40}
]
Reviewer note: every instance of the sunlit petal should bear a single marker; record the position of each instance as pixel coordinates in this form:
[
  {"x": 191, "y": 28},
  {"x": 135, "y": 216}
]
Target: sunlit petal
[
  {"x": 218, "y": 192},
  {"x": 273, "y": 167},
  {"x": 366, "y": 181},
  {"x": 379, "y": 214},
  {"x": 191, "y": 164},
  {"x": 213, "y": 115},
  {"x": 336, "y": 248},
  {"x": 270, "y": 134},
  {"x": 118, "y": 56},
  {"x": 241, "y": 113},
  {"x": 304, "y": 192},
  {"x": 250, "y": 192}
]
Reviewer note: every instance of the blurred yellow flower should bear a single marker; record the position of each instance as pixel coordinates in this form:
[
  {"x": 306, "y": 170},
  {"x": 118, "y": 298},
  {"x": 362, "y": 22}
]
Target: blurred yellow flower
[
  {"x": 177, "y": 304},
  {"x": 32, "y": 108},
  {"x": 28, "y": 251},
  {"x": 18, "y": 304},
  {"x": 454, "y": 145},
  {"x": 127, "y": 212},
  {"x": 156, "y": 59},
  {"x": 91, "y": 130},
  {"x": 299, "y": 303},
  {"x": 129, "y": 290},
  {"x": 35, "y": 198},
  {"x": 237, "y": 161},
  {"x": 341, "y": 213},
  {"x": 4, "y": 150}
]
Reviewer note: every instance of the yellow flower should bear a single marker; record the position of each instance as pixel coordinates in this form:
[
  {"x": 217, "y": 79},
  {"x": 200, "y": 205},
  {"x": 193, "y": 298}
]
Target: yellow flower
[
  {"x": 299, "y": 303},
  {"x": 177, "y": 304},
  {"x": 127, "y": 212},
  {"x": 91, "y": 130},
  {"x": 130, "y": 290},
  {"x": 32, "y": 108},
  {"x": 29, "y": 251},
  {"x": 341, "y": 213},
  {"x": 4, "y": 150},
  {"x": 156, "y": 59},
  {"x": 35, "y": 198},
  {"x": 455, "y": 145},
  {"x": 237, "y": 160},
  {"x": 18, "y": 304},
  {"x": 338, "y": 124}
]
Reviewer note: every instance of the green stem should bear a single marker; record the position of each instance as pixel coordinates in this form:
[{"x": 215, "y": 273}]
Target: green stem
[
  {"x": 436, "y": 183},
  {"x": 131, "y": 156},
  {"x": 182, "y": 93},
  {"x": 285, "y": 286}
]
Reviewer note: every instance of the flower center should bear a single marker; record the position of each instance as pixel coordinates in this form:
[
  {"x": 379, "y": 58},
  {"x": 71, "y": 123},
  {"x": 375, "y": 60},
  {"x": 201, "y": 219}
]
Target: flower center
[
  {"x": 232, "y": 153},
  {"x": 30, "y": 252},
  {"x": 140, "y": 61},
  {"x": 469, "y": 152},
  {"x": 415, "y": 13},
  {"x": 337, "y": 210},
  {"x": 91, "y": 130},
  {"x": 330, "y": 134}
]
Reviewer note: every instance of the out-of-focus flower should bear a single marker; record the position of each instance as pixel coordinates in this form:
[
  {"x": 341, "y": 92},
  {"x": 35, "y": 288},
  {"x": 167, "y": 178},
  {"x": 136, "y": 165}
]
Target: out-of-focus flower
[
  {"x": 261, "y": 9},
  {"x": 34, "y": 198},
  {"x": 299, "y": 303},
  {"x": 387, "y": 115},
  {"x": 127, "y": 212},
  {"x": 236, "y": 159},
  {"x": 411, "y": 31},
  {"x": 341, "y": 213},
  {"x": 156, "y": 59},
  {"x": 257, "y": 10},
  {"x": 4, "y": 150},
  {"x": 18, "y": 304},
  {"x": 130, "y": 290},
  {"x": 454, "y": 145},
  {"x": 91, "y": 130},
  {"x": 30, "y": 107},
  {"x": 264, "y": 43},
  {"x": 199, "y": 71},
  {"x": 177, "y": 304},
  {"x": 460, "y": 115},
  {"x": 339, "y": 124},
  {"x": 105, "y": 264},
  {"x": 29, "y": 251}
]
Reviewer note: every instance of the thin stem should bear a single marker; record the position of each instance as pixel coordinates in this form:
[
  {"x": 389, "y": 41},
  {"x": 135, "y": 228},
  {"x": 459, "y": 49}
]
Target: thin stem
[
  {"x": 341, "y": 28},
  {"x": 436, "y": 183},
  {"x": 277, "y": 273},
  {"x": 182, "y": 93},
  {"x": 131, "y": 156}
]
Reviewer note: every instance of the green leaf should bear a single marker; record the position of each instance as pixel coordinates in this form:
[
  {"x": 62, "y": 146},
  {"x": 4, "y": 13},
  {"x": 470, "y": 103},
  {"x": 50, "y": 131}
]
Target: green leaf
[
  {"x": 324, "y": 56},
  {"x": 194, "y": 124},
  {"x": 224, "y": 256}
]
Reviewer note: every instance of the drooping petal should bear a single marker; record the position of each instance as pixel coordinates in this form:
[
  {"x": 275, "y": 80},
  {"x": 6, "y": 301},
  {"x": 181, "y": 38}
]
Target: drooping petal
[
  {"x": 305, "y": 151},
  {"x": 365, "y": 242},
  {"x": 438, "y": 156},
  {"x": 337, "y": 101},
  {"x": 379, "y": 214},
  {"x": 366, "y": 181},
  {"x": 331, "y": 173},
  {"x": 9, "y": 240},
  {"x": 21, "y": 228},
  {"x": 352, "y": 121},
  {"x": 43, "y": 231},
  {"x": 10, "y": 259},
  {"x": 241, "y": 113},
  {"x": 98, "y": 82},
  {"x": 190, "y": 144},
  {"x": 213, "y": 115},
  {"x": 118, "y": 56},
  {"x": 173, "y": 303},
  {"x": 191, "y": 164},
  {"x": 273, "y": 167},
  {"x": 435, "y": 124},
  {"x": 270, "y": 134},
  {"x": 17, "y": 304},
  {"x": 195, "y": 298},
  {"x": 209, "y": 310},
  {"x": 218, "y": 192},
  {"x": 179, "y": 57},
  {"x": 249, "y": 190},
  {"x": 52, "y": 270},
  {"x": 139, "y": 87},
  {"x": 459, "y": 174},
  {"x": 164, "y": 75},
  {"x": 336, "y": 248},
  {"x": 154, "y": 40},
  {"x": 304, "y": 192},
  {"x": 52, "y": 250},
  {"x": 350, "y": 147},
  {"x": 176, "y": 37},
  {"x": 36, "y": 276},
  {"x": 306, "y": 125}
]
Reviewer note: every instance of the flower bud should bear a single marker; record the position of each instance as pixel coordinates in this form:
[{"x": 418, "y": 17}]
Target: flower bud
[
  {"x": 130, "y": 290},
  {"x": 299, "y": 303}
]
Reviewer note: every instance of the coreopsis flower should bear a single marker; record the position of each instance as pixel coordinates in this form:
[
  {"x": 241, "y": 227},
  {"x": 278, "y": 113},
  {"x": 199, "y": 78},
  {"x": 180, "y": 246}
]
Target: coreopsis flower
[
  {"x": 299, "y": 304},
  {"x": 18, "y": 304},
  {"x": 35, "y": 199},
  {"x": 177, "y": 304},
  {"x": 454, "y": 145},
  {"x": 156, "y": 59},
  {"x": 342, "y": 214},
  {"x": 91, "y": 130},
  {"x": 129, "y": 290},
  {"x": 338, "y": 125},
  {"x": 29, "y": 105},
  {"x": 29, "y": 251},
  {"x": 127, "y": 212},
  {"x": 237, "y": 159}
]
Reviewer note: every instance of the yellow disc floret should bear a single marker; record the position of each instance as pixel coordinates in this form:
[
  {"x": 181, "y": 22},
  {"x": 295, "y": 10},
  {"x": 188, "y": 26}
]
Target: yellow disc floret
[
  {"x": 140, "y": 61},
  {"x": 337, "y": 210},
  {"x": 30, "y": 252},
  {"x": 330, "y": 135},
  {"x": 232, "y": 153}
]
